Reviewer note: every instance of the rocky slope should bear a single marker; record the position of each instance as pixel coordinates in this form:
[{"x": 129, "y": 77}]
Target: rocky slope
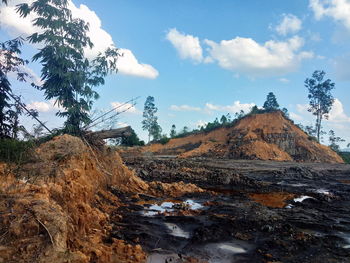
[{"x": 268, "y": 136}]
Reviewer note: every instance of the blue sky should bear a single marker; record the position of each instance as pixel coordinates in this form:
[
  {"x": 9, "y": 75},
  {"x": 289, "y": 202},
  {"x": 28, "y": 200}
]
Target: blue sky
[{"x": 202, "y": 59}]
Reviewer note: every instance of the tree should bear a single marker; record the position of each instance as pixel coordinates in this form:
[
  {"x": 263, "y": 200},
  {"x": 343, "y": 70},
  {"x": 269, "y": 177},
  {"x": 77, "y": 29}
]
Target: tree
[
  {"x": 223, "y": 120},
  {"x": 132, "y": 140},
  {"x": 68, "y": 76},
  {"x": 334, "y": 140},
  {"x": 173, "y": 131},
  {"x": 185, "y": 130},
  {"x": 321, "y": 99},
  {"x": 271, "y": 102},
  {"x": 9, "y": 103},
  {"x": 285, "y": 112},
  {"x": 150, "y": 122}
]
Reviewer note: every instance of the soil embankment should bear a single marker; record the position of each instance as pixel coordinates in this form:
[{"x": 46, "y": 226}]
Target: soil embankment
[{"x": 268, "y": 136}]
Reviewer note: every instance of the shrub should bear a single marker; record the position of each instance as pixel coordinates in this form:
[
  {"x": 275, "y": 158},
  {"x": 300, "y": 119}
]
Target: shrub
[{"x": 15, "y": 151}]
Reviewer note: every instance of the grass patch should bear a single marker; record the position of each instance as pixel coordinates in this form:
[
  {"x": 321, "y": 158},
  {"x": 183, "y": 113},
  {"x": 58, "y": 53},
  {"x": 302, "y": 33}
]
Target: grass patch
[{"x": 15, "y": 151}]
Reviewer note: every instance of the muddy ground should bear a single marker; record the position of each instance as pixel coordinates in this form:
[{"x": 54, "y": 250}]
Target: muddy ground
[{"x": 252, "y": 211}]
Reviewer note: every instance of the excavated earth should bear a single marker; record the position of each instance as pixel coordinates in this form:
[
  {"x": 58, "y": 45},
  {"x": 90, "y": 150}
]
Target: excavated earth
[{"x": 250, "y": 211}]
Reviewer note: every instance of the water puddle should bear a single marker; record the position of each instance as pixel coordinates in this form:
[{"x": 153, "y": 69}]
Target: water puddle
[
  {"x": 170, "y": 206},
  {"x": 323, "y": 191},
  {"x": 302, "y": 198},
  {"x": 274, "y": 200},
  {"x": 177, "y": 231}
]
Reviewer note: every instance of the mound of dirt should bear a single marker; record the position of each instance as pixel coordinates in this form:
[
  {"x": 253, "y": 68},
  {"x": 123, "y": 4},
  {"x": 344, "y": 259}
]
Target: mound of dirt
[
  {"x": 268, "y": 136},
  {"x": 57, "y": 207}
]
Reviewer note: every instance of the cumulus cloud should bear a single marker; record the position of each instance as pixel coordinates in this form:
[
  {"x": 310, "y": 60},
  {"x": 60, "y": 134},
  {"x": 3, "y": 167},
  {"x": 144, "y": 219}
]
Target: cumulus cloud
[
  {"x": 101, "y": 39},
  {"x": 245, "y": 55},
  {"x": 237, "y": 106},
  {"x": 295, "y": 116},
  {"x": 127, "y": 107},
  {"x": 336, "y": 114},
  {"x": 184, "y": 108},
  {"x": 44, "y": 106},
  {"x": 339, "y": 10},
  {"x": 187, "y": 46},
  {"x": 290, "y": 24}
]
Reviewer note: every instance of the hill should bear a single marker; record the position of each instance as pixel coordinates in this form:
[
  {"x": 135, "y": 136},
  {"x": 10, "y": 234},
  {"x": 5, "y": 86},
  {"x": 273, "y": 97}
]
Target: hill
[{"x": 267, "y": 136}]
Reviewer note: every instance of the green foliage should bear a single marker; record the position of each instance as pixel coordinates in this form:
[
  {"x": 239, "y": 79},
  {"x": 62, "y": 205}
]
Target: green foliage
[
  {"x": 150, "y": 121},
  {"x": 345, "y": 156},
  {"x": 68, "y": 76},
  {"x": 173, "y": 131},
  {"x": 10, "y": 109},
  {"x": 334, "y": 140},
  {"x": 15, "y": 151},
  {"x": 271, "y": 102},
  {"x": 320, "y": 97},
  {"x": 164, "y": 139},
  {"x": 132, "y": 140}
]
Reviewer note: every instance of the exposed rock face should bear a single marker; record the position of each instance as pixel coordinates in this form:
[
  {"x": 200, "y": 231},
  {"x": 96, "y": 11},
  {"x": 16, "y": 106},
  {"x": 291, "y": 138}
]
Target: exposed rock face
[{"x": 268, "y": 136}]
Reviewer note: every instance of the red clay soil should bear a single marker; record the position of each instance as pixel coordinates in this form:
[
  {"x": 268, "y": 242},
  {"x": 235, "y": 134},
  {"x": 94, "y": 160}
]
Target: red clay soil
[
  {"x": 268, "y": 136},
  {"x": 275, "y": 200},
  {"x": 57, "y": 207}
]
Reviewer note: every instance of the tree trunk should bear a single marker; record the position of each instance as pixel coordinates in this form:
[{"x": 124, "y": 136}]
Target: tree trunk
[{"x": 113, "y": 133}]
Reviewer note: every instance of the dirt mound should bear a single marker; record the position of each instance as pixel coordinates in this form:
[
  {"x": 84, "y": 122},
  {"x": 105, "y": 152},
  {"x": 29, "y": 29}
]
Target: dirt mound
[
  {"x": 268, "y": 136},
  {"x": 57, "y": 207}
]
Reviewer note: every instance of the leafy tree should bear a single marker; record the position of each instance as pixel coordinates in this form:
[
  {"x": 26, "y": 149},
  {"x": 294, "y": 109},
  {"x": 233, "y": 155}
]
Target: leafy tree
[
  {"x": 285, "y": 112},
  {"x": 334, "y": 140},
  {"x": 254, "y": 110},
  {"x": 68, "y": 76},
  {"x": 223, "y": 120},
  {"x": 185, "y": 130},
  {"x": 271, "y": 102},
  {"x": 321, "y": 99},
  {"x": 9, "y": 103},
  {"x": 132, "y": 140},
  {"x": 150, "y": 122},
  {"x": 173, "y": 131}
]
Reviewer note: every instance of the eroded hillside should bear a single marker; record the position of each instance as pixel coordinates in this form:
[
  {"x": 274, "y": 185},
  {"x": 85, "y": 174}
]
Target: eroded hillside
[{"x": 268, "y": 136}]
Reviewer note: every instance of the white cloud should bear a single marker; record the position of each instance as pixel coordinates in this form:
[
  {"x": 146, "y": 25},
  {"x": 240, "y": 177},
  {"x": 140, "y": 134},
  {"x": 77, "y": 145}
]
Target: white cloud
[
  {"x": 184, "y": 108},
  {"x": 245, "y": 55},
  {"x": 295, "y": 116},
  {"x": 201, "y": 123},
  {"x": 337, "y": 113},
  {"x": 44, "y": 106},
  {"x": 237, "y": 106},
  {"x": 128, "y": 107},
  {"x": 284, "y": 80},
  {"x": 101, "y": 39},
  {"x": 187, "y": 46},
  {"x": 339, "y": 10},
  {"x": 289, "y": 25}
]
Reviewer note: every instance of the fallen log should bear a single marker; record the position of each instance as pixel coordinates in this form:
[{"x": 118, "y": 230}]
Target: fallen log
[{"x": 109, "y": 134}]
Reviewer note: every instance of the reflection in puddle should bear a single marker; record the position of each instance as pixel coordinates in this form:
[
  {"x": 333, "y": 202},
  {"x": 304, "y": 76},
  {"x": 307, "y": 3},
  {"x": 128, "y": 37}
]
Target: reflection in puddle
[
  {"x": 176, "y": 231},
  {"x": 302, "y": 198},
  {"x": 167, "y": 206}
]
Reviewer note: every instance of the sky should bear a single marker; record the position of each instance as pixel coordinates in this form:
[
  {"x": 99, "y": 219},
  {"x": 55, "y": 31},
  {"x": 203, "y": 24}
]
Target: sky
[{"x": 201, "y": 59}]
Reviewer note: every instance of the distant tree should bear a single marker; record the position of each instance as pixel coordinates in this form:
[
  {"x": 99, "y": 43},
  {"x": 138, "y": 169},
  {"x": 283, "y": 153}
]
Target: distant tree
[
  {"x": 348, "y": 145},
  {"x": 132, "y": 140},
  {"x": 334, "y": 141},
  {"x": 10, "y": 108},
  {"x": 228, "y": 117},
  {"x": 285, "y": 112},
  {"x": 68, "y": 76},
  {"x": 321, "y": 99},
  {"x": 150, "y": 122},
  {"x": 254, "y": 110},
  {"x": 223, "y": 120},
  {"x": 271, "y": 102},
  {"x": 185, "y": 130},
  {"x": 173, "y": 131},
  {"x": 310, "y": 130}
]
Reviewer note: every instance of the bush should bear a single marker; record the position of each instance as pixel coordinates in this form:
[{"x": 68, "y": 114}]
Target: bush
[
  {"x": 345, "y": 156},
  {"x": 15, "y": 151},
  {"x": 164, "y": 140}
]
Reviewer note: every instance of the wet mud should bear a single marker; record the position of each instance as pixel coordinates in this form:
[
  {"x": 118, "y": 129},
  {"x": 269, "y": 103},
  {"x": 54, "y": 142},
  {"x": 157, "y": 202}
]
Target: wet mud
[{"x": 252, "y": 211}]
